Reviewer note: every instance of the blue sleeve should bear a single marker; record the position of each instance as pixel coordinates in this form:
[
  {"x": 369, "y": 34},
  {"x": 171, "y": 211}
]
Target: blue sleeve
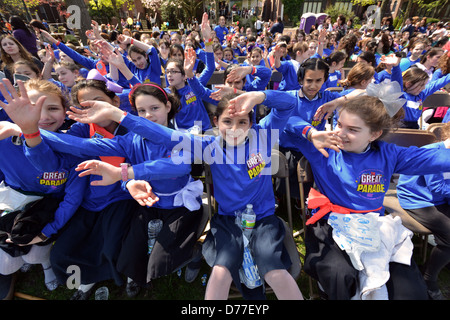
[
  {"x": 85, "y": 147},
  {"x": 155, "y": 65},
  {"x": 434, "y": 86},
  {"x": 74, "y": 192},
  {"x": 278, "y": 116},
  {"x": 78, "y": 58},
  {"x": 171, "y": 139},
  {"x": 261, "y": 79},
  {"x": 438, "y": 186},
  {"x": 284, "y": 67},
  {"x": 436, "y": 75},
  {"x": 396, "y": 75},
  {"x": 209, "y": 68},
  {"x": 421, "y": 161},
  {"x": 295, "y": 125},
  {"x": 46, "y": 159},
  {"x": 160, "y": 169},
  {"x": 201, "y": 91}
]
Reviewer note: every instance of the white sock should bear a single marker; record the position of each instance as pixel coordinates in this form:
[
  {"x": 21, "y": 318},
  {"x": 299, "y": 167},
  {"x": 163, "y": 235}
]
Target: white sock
[{"x": 48, "y": 272}]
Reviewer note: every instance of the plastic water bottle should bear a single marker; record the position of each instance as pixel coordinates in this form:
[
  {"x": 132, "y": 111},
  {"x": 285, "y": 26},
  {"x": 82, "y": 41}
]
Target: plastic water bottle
[
  {"x": 248, "y": 273},
  {"x": 248, "y": 221},
  {"x": 154, "y": 227}
]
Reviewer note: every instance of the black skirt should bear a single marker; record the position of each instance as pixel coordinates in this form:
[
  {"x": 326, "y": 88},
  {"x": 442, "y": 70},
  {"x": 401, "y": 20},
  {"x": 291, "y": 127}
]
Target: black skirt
[
  {"x": 224, "y": 246},
  {"x": 92, "y": 242},
  {"x": 174, "y": 245}
]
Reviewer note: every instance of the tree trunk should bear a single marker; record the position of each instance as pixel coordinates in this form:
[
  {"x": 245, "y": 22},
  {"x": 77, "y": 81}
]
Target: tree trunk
[{"x": 85, "y": 23}]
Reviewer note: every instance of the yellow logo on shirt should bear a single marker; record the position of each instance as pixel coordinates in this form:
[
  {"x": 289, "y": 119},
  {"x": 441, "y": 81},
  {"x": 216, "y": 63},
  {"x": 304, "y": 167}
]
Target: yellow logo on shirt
[
  {"x": 53, "y": 178},
  {"x": 371, "y": 183},
  {"x": 255, "y": 164}
]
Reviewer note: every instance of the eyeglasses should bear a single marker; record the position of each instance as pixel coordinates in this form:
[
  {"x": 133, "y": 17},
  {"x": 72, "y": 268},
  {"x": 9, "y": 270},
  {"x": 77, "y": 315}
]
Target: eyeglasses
[{"x": 172, "y": 71}]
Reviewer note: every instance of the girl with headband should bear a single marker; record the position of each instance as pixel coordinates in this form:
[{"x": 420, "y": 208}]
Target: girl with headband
[
  {"x": 179, "y": 196},
  {"x": 240, "y": 155}
]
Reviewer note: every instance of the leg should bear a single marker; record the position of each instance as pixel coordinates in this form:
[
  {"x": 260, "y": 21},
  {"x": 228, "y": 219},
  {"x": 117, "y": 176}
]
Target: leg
[
  {"x": 219, "y": 284},
  {"x": 328, "y": 264},
  {"x": 283, "y": 285},
  {"x": 406, "y": 282}
]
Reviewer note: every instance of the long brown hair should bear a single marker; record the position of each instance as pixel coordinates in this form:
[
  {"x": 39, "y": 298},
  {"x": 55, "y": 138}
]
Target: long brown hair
[
  {"x": 6, "y": 58},
  {"x": 374, "y": 114}
]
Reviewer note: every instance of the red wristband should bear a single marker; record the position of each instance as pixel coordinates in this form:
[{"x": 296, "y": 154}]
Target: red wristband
[
  {"x": 58, "y": 43},
  {"x": 235, "y": 90},
  {"x": 253, "y": 70},
  {"x": 131, "y": 41},
  {"x": 32, "y": 135}
]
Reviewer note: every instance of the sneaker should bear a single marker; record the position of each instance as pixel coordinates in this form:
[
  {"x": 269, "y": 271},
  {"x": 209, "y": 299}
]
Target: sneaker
[
  {"x": 52, "y": 285},
  {"x": 193, "y": 267},
  {"x": 435, "y": 294},
  {"x": 102, "y": 293},
  {"x": 132, "y": 289},
  {"x": 7, "y": 286}
]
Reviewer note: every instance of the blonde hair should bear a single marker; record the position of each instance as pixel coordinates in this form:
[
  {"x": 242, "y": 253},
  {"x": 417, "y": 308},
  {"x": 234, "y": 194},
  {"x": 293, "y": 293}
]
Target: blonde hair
[
  {"x": 374, "y": 114},
  {"x": 47, "y": 87}
]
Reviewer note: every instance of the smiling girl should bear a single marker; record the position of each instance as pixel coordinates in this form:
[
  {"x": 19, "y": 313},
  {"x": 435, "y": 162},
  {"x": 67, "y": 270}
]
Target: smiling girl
[
  {"x": 148, "y": 162},
  {"x": 59, "y": 197},
  {"x": 223, "y": 247},
  {"x": 340, "y": 173}
]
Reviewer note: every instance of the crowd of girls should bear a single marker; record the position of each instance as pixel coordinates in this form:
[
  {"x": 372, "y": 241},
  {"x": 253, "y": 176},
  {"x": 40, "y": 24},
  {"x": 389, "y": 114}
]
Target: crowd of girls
[{"x": 107, "y": 141}]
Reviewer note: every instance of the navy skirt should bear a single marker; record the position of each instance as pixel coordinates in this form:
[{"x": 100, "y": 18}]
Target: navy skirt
[
  {"x": 92, "y": 241},
  {"x": 224, "y": 246}
]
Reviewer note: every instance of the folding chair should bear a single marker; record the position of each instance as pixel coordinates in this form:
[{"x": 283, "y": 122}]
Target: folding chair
[
  {"x": 406, "y": 138},
  {"x": 217, "y": 78},
  {"x": 437, "y": 99},
  {"x": 304, "y": 175},
  {"x": 280, "y": 169},
  {"x": 435, "y": 128}
]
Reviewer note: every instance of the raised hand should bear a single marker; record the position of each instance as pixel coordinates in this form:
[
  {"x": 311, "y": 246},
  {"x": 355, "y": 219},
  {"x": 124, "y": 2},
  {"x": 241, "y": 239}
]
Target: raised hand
[
  {"x": 326, "y": 139},
  {"x": 9, "y": 129},
  {"x": 110, "y": 174},
  {"x": 245, "y": 102},
  {"x": 95, "y": 111},
  {"x": 189, "y": 62},
  {"x": 48, "y": 36},
  {"x": 205, "y": 28},
  {"x": 19, "y": 107},
  {"x": 141, "y": 191},
  {"x": 222, "y": 91}
]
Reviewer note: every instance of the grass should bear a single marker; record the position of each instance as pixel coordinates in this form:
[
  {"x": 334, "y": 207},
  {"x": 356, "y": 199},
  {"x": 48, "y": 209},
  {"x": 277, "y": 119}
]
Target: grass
[{"x": 173, "y": 286}]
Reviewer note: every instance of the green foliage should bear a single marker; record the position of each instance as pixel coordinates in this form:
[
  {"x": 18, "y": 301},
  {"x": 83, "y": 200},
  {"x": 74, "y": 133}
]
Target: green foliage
[
  {"x": 292, "y": 9},
  {"x": 334, "y": 11}
]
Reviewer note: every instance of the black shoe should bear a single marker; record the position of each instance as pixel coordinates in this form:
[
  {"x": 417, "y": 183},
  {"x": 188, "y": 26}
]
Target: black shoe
[
  {"x": 132, "y": 289},
  {"x": 193, "y": 267},
  {"x": 7, "y": 286},
  {"x": 80, "y": 295}
]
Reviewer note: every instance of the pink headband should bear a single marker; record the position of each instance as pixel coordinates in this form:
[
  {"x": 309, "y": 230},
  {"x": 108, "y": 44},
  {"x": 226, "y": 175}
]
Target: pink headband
[
  {"x": 147, "y": 84},
  {"x": 111, "y": 86}
]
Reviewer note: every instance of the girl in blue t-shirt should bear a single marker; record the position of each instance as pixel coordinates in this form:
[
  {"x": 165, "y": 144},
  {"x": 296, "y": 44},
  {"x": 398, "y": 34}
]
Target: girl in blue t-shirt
[
  {"x": 336, "y": 61},
  {"x": 240, "y": 155},
  {"x": 58, "y": 187},
  {"x": 352, "y": 170}
]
